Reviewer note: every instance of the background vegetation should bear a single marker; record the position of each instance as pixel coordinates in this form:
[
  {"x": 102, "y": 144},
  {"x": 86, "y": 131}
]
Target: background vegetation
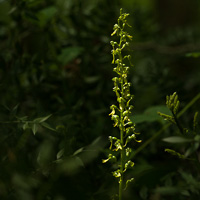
[{"x": 56, "y": 89}]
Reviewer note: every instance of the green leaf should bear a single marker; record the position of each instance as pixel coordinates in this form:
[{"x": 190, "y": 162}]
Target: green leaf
[
  {"x": 177, "y": 139},
  {"x": 68, "y": 54},
  {"x": 22, "y": 118},
  {"x": 25, "y": 126},
  {"x": 192, "y": 149},
  {"x": 60, "y": 153},
  {"x": 35, "y": 128},
  {"x": 46, "y": 14},
  {"x": 41, "y": 119},
  {"x": 195, "y": 123},
  {"x": 91, "y": 79},
  {"x": 190, "y": 179},
  {"x": 4, "y": 10},
  {"x": 144, "y": 192},
  {"x": 168, "y": 190},
  {"x": 44, "y": 124},
  {"x": 31, "y": 16},
  {"x": 78, "y": 151},
  {"x": 14, "y": 110},
  {"x": 150, "y": 114},
  {"x": 193, "y": 54},
  {"x": 197, "y": 138}
]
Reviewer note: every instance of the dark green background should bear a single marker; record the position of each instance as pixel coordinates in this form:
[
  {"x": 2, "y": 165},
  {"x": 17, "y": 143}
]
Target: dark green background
[{"x": 55, "y": 59}]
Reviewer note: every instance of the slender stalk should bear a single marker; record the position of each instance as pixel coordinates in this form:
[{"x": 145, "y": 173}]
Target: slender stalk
[
  {"x": 121, "y": 171},
  {"x": 178, "y": 124},
  {"x": 122, "y": 158},
  {"x": 121, "y": 133}
]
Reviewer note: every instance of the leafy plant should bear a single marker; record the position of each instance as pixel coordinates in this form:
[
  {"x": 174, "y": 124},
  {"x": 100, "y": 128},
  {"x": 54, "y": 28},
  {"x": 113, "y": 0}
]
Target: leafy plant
[
  {"x": 120, "y": 113},
  {"x": 185, "y": 135},
  {"x": 189, "y": 141}
]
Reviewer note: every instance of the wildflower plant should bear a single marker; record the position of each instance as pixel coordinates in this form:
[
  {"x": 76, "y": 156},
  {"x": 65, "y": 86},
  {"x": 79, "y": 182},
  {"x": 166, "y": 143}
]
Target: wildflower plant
[
  {"x": 120, "y": 113},
  {"x": 185, "y": 135}
]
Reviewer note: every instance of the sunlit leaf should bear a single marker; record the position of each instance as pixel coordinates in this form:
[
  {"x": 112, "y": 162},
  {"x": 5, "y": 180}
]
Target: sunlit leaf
[{"x": 177, "y": 139}]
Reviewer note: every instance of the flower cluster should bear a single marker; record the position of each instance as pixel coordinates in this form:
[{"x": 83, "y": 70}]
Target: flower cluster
[{"x": 120, "y": 113}]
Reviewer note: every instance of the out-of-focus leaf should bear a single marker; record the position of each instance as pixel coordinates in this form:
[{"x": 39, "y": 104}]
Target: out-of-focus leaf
[
  {"x": 71, "y": 165},
  {"x": 150, "y": 114},
  {"x": 25, "y": 126},
  {"x": 68, "y": 54},
  {"x": 177, "y": 139},
  {"x": 190, "y": 179},
  {"x": 78, "y": 151},
  {"x": 60, "y": 153},
  {"x": 46, "y": 14},
  {"x": 193, "y": 54},
  {"x": 91, "y": 79},
  {"x": 4, "y": 9},
  {"x": 30, "y": 16},
  {"x": 197, "y": 138},
  {"x": 168, "y": 190},
  {"x": 15, "y": 108},
  {"x": 35, "y": 128},
  {"x": 144, "y": 192},
  {"x": 22, "y": 118},
  {"x": 41, "y": 119},
  {"x": 44, "y": 124},
  {"x": 192, "y": 149},
  {"x": 45, "y": 153}
]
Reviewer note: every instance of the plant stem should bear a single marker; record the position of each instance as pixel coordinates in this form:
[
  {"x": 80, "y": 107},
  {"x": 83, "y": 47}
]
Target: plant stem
[
  {"x": 121, "y": 134},
  {"x": 177, "y": 123},
  {"x": 122, "y": 159},
  {"x": 121, "y": 166}
]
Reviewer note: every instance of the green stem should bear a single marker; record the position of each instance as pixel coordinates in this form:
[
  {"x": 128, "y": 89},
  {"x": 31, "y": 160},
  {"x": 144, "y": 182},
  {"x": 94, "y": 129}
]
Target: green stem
[
  {"x": 177, "y": 123},
  {"x": 122, "y": 158},
  {"x": 121, "y": 137},
  {"x": 121, "y": 170}
]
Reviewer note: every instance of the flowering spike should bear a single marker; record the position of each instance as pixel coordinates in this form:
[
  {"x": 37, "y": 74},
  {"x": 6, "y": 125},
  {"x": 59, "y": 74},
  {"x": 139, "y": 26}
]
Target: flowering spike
[{"x": 121, "y": 112}]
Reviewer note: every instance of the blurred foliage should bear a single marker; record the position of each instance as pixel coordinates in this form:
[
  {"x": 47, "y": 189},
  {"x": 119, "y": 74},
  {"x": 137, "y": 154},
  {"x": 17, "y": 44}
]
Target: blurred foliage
[{"x": 55, "y": 62}]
